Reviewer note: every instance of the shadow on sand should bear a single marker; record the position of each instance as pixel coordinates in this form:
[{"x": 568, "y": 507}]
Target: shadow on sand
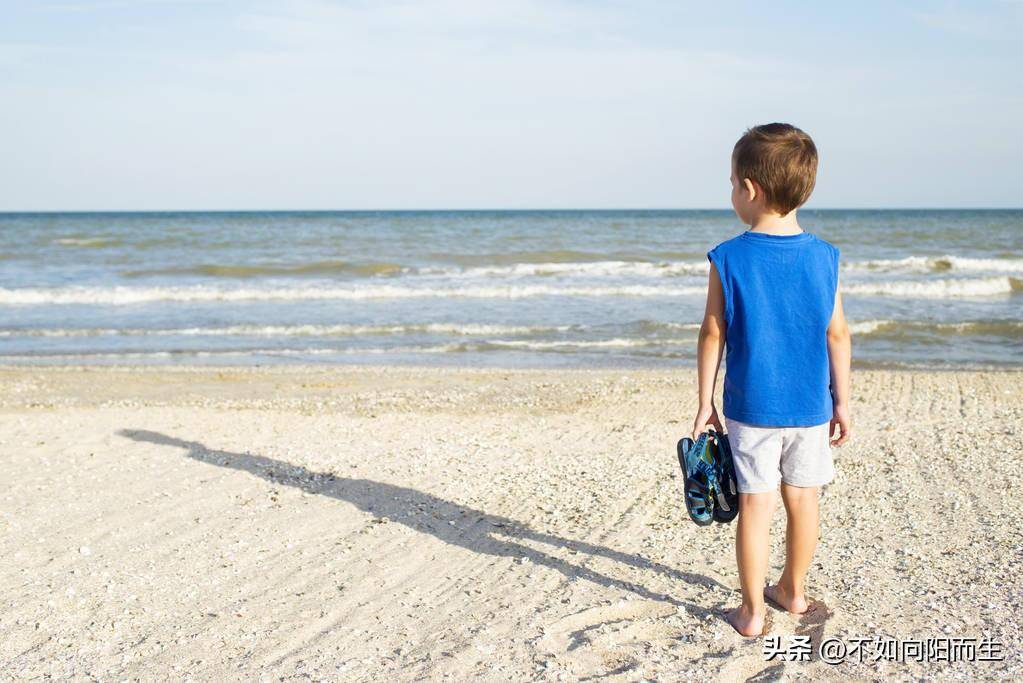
[{"x": 450, "y": 522}]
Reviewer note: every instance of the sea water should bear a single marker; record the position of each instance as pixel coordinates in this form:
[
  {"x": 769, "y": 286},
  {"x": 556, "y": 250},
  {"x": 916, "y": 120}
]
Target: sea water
[{"x": 930, "y": 288}]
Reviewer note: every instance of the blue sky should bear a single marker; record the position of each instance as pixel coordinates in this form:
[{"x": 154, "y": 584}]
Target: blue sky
[{"x": 362, "y": 104}]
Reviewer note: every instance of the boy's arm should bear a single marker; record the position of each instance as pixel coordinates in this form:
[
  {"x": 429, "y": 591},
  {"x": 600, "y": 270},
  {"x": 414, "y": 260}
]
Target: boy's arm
[
  {"x": 840, "y": 358},
  {"x": 708, "y": 354}
]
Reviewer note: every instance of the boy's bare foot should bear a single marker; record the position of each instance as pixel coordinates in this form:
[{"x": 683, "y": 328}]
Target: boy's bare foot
[
  {"x": 796, "y": 604},
  {"x": 747, "y": 622}
]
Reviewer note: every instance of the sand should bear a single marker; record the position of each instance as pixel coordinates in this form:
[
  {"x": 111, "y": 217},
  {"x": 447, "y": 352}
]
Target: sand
[{"x": 420, "y": 524}]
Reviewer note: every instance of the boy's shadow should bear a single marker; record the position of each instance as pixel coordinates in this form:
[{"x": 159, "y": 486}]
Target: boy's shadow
[{"x": 450, "y": 522}]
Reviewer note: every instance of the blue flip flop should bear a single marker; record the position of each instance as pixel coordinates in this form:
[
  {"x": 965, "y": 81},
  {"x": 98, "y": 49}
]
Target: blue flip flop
[
  {"x": 700, "y": 473},
  {"x": 726, "y": 504}
]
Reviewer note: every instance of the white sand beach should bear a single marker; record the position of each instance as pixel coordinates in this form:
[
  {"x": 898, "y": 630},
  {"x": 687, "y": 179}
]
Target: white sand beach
[{"x": 393, "y": 523}]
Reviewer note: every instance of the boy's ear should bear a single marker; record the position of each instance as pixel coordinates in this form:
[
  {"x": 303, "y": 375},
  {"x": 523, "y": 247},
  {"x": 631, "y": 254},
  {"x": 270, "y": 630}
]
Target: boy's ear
[{"x": 751, "y": 188}]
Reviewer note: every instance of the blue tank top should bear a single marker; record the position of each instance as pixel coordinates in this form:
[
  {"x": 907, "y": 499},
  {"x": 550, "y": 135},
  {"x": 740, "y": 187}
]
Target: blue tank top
[{"x": 779, "y": 296}]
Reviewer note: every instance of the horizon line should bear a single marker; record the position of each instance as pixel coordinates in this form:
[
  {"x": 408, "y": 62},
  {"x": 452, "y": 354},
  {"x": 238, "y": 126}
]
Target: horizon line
[{"x": 490, "y": 210}]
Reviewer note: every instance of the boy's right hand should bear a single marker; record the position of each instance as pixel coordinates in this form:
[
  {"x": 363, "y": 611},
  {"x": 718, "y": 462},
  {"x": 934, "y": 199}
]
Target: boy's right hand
[
  {"x": 705, "y": 416},
  {"x": 841, "y": 418}
]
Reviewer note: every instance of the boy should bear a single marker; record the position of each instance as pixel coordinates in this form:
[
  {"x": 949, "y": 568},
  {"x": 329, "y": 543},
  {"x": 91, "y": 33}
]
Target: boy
[{"x": 773, "y": 300}]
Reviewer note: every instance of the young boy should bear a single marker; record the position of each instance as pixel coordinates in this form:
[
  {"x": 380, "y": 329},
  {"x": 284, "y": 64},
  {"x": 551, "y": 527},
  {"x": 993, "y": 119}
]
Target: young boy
[{"x": 773, "y": 300}]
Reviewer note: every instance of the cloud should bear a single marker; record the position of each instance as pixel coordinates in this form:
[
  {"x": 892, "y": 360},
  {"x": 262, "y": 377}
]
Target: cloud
[
  {"x": 352, "y": 103},
  {"x": 510, "y": 45}
]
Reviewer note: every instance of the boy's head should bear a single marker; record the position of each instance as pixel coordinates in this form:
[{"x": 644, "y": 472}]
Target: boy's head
[{"x": 774, "y": 168}]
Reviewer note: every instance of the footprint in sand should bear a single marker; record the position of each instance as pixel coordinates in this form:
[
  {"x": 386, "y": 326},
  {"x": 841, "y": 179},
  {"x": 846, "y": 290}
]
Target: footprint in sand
[
  {"x": 812, "y": 621},
  {"x": 754, "y": 668},
  {"x": 609, "y": 638}
]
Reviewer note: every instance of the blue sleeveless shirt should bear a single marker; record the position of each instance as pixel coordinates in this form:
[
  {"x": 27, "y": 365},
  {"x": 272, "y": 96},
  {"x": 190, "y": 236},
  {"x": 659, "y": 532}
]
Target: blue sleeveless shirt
[{"x": 779, "y": 296}]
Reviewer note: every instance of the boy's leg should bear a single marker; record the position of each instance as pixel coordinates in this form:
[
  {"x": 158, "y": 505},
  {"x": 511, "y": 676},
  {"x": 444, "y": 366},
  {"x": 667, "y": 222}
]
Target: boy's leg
[
  {"x": 756, "y": 452},
  {"x": 801, "y": 531},
  {"x": 751, "y": 554},
  {"x": 806, "y": 464}
]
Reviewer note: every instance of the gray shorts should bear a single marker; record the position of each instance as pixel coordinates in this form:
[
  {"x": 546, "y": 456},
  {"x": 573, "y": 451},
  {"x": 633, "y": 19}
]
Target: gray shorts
[{"x": 765, "y": 456}]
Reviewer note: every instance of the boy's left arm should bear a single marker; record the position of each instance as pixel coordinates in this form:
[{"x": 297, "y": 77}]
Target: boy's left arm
[
  {"x": 840, "y": 361},
  {"x": 708, "y": 355}
]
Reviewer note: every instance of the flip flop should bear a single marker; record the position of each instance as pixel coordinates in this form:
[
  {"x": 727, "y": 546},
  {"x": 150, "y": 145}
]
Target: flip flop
[
  {"x": 726, "y": 506},
  {"x": 698, "y": 468}
]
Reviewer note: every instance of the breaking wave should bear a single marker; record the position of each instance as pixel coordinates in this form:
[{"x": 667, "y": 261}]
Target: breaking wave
[{"x": 138, "y": 295}]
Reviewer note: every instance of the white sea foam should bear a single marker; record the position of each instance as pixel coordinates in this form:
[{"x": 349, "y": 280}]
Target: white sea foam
[
  {"x": 996, "y": 327},
  {"x": 451, "y": 347},
  {"x": 914, "y": 264},
  {"x": 867, "y": 326},
  {"x": 468, "y": 329},
  {"x": 239, "y": 353},
  {"x": 120, "y": 295},
  {"x": 999, "y": 326},
  {"x": 86, "y": 241},
  {"x": 935, "y": 289},
  {"x": 679, "y": 326},
  {"x": 135, "y": 295},
  {"x": 859, "y": 327},
  {"x": 584, "y": 344},
  {"x": 593, "y": 268},
  {"x": 923, "y": 264},
  {"x": 434, "y": 348},
  {"x": 911, "y": 264}
]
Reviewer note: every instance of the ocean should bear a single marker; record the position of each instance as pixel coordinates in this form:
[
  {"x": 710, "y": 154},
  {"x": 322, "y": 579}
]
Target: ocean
[{"x": 922, "y": 288}]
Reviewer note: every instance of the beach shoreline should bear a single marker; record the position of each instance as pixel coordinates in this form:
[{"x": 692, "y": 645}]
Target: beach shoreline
[
  {"x": 404, "y": 522},
  {"x": 479, "y": 288}
]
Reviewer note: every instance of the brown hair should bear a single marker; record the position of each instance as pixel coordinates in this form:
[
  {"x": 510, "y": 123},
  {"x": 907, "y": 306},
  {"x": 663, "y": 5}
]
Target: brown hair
[{"x": 782, "y": 160}]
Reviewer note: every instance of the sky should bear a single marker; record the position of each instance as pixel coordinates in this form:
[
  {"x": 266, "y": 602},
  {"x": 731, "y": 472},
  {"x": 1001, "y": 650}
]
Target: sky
[{"x": 517, "y": 104}]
